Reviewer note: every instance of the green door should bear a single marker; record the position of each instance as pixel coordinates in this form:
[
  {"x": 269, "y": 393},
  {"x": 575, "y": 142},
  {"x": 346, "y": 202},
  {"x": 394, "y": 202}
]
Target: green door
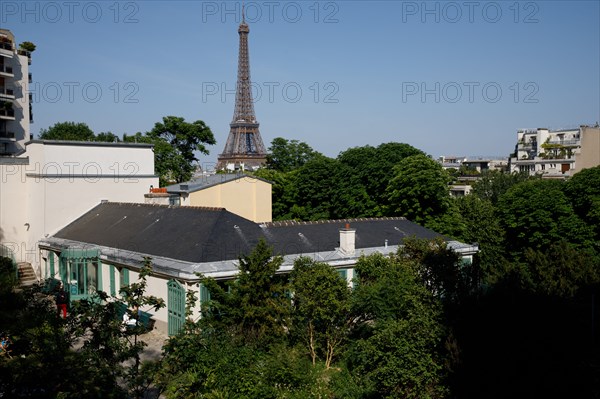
[{"x": 175, "y": 306}]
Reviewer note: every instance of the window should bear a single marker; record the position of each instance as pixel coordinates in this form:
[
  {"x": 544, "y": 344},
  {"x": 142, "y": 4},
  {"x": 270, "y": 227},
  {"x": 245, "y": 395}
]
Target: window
[
  {"x": 123, "y": 277},
  {"x": 80, "y": 272}
]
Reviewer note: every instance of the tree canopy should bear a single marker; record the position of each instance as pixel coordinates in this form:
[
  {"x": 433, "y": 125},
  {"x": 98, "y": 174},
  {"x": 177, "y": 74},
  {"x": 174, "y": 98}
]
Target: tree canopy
[
  {"x": 287, "y": 155},
  {"x": 418, "y": 190},
  {"x": 70, "y": 131}
]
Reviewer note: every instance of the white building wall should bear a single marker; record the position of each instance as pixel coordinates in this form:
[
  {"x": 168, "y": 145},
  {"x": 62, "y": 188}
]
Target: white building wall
[{"x": 61, "y": 182}]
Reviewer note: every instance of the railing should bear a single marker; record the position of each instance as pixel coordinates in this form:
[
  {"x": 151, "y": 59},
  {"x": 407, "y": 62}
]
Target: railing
[{"x": 564, "y": 142}]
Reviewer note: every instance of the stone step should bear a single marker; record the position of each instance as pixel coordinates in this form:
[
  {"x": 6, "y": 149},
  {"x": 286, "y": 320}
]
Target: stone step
[{"x": 27, "y": 276}]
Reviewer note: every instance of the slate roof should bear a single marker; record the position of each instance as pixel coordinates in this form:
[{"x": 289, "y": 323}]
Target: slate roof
[
  {"x": 309, "y": 237},
  {"x": 191, "y": 234},
  {"x": 198, "y": 234},
  {"x": 204, "y": 182}
]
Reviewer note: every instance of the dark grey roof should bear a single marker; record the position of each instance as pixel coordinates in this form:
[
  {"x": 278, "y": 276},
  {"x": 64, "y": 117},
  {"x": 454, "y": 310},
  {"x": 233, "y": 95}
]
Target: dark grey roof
[
  {"x": 309, "y": 237},
  {"x": 208, "y": 181},
  {"x": 196, "y": 234},
  {"x": 186, "y": 233}
]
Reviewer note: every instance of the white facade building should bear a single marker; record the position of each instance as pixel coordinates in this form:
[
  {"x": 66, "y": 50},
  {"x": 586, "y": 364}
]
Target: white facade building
[
  {"x": 15, "y": 104},
  {"x": 551, "y": 153},
  {"x": 55, "y": 182}
]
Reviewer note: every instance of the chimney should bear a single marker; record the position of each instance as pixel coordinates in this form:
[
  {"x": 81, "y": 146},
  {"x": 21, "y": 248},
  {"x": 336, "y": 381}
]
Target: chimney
[{"x": 347, "y": 240}]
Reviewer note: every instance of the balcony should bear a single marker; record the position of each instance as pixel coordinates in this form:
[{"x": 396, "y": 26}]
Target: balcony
[
  {"x": 6, "y": 47},
  {"x": 527, "y": 146},
  {"x": 6, "y": 71},
  {"x": 565, "y": 142},
  {"x": 7, "y": 93},
  {"x": 7, "y": 114},
  {"x": 7, "y": 136}
]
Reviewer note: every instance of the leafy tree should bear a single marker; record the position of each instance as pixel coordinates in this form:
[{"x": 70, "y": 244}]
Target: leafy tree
[
  {"x": 537, "y": 213},
  {"x": 256, "y": 308},
  {"x": 561, "y": 270},
  {"x": 482, "y": 226},
  {"x": 397, "y": 348},
  {"x": 27, "y": 46},
  {"x": 493, "y": 184},
  {"x": 175, "y": 163},
  {"x": 418, "y": 190},
  {"x": 325, "y": 189},
  {"x": 107, "y": 137},
  {"x": 86, "y": 355},
  {"x": 287, "y": 155},
  {"x": 440, "y": 269},
  {"x": 70, "y": 131},
  {"x": 374, "y": 167},
  {"x": 321, "y": 307},
  {"x": 583, "y": 190}
]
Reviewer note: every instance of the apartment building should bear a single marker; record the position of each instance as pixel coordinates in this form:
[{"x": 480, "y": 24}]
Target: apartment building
[
  {"x": 15, "y": 103},
  {"x": 555, "y": 153}
]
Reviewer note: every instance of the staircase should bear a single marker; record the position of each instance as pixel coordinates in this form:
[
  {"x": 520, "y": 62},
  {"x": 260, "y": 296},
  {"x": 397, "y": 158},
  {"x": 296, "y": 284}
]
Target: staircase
[{"x": 27, "y": 276}]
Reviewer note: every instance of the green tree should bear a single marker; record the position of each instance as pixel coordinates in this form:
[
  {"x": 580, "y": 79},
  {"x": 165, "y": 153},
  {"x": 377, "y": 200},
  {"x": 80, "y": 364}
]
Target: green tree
[
  {"x": 185, "y": 139},
  {"x": 325, "y": 189},
  {"x": 321, "y": 308},
  {"x": 256, "y": 306},
  {"x": 286, "y": 155},
  {"x": 561, "y": 270},
  {"x": 397, "y": 350},
  {"x": 418, "y": 190},
  {"x": 374, "y": 166},
  {"x": 86, "y": 355},
  {"x": 27, "y": 46},
  {"x": 493, "y": 184},
  {"x": 107, "y": 137},
  {"x": 482, "y": 226},
  {"x": 70, "y": 131},
  {"x": 537, "y": 213},
  {"x": 583, "y": 190}
]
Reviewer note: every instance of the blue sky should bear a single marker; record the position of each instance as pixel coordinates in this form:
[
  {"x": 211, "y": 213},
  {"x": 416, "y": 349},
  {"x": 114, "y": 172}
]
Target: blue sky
[{"x": 453, "y": 78}]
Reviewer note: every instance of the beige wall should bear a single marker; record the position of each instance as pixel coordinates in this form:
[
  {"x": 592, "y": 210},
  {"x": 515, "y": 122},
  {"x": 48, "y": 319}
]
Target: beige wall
[
  {"x": 248, "y": 197},
  {"x": 589, "y": 155}
]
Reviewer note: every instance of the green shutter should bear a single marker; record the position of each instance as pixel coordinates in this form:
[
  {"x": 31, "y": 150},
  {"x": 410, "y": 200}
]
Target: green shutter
[
  {"x": 175, "y": 307},
  {"x": 204, "y": 294},
  {"x": 111, "y": 272},
  {"x": 99, "y": 276},
  {"x": 51, "y": 261},
  {"x": 125, "y": 276}
]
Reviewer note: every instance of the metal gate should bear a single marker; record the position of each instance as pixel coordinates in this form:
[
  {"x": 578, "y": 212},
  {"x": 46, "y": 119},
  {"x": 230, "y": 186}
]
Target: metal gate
[{"x": 175, "y": 306}]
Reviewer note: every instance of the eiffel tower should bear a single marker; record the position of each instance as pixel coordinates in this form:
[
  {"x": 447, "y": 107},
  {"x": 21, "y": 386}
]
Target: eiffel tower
[{"x": 244, "y": 147}]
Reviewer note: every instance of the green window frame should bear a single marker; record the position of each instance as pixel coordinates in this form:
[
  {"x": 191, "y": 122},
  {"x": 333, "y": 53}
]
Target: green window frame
[
  {"x": 123, "y": 278},
  {"x": 51, "y": 263},
  {"x": 111, "y": 273},
  {"x": 81, "y": 272}
]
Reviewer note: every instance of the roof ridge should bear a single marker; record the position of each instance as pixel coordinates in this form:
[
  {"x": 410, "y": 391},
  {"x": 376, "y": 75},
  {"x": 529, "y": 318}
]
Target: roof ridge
[
  {"x": 283, "y": 223},
  {"x": 204, "y": 208}
]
